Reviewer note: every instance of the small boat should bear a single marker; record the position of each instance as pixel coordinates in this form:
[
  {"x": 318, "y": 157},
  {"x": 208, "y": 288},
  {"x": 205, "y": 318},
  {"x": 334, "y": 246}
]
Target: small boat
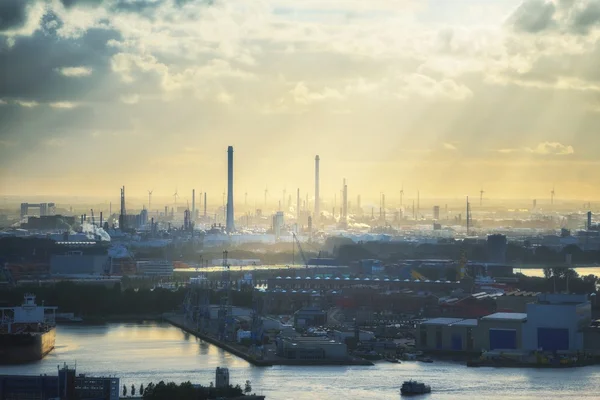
[
  {"x": 426, "y": 360},
  {"x": 414, "y": 388},
  {"x": 392, "y": 360}
]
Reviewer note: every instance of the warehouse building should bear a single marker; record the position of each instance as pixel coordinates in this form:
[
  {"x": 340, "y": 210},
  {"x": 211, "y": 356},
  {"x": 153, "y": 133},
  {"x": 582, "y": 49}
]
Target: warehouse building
[
  {"x": 447, "y": 334},
  {"x": 501, "y": 331},
  {"x": 556, "y": 322}
]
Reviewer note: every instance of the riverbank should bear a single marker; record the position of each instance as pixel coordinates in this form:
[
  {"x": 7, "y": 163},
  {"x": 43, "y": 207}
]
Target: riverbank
[{"x": 242, "y": 352}]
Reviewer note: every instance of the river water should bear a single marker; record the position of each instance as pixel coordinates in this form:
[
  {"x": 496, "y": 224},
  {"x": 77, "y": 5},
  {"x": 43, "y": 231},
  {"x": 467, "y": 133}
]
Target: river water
[
  {"x": 145, "y": 352},
  {"x": 582, "y": 271}
]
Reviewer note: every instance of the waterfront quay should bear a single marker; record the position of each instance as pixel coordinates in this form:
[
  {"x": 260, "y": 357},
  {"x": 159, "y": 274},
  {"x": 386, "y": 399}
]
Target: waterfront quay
[{"x": 266, "y": 358}]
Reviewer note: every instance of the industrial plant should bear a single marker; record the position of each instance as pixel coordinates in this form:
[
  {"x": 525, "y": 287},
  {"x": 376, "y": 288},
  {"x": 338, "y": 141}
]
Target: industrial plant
[{"x": 326, "y": 281}]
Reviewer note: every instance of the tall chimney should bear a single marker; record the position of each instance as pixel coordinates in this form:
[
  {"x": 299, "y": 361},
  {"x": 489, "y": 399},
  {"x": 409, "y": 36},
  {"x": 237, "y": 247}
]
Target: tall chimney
[
  {"x": 298, "y": 206},
  {"x": 101, "y": 220},
  {"x": 317, "y": 202},
  {"x": 193, "y": 203},
  {"x": 345, "y": 200},
  {"x": 122, "y": 221},
  {"x": 229, "y": 224},
  {"x": 204, "y": 204}
]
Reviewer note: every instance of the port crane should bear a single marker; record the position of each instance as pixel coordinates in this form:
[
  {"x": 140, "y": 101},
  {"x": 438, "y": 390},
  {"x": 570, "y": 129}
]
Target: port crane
[{"x": 300, "y": 250}]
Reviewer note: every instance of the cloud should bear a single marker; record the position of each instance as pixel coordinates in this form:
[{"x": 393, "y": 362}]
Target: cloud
[
  {"x": 55, "y": 142},
  {"x": 565, "y": 16},
  {"x": 533, "y": 16},
  {"x": 544, "y": 149},
  {"x": 425, "y": 86},
  {"x": 76, "y": 71},
  {"x": 552, "y": 148},
  {"x": 28, "y": 104},
  {"x": 450, "y": 146},
  {"x": 63, "y": 105},
  {"x": 225, "y": 98},
  {"x": 13, "y": 14},
  {"x": 130, "y": 98},
  {"x": 303, "y": 96},
  {"x": 221, "y": 72}
]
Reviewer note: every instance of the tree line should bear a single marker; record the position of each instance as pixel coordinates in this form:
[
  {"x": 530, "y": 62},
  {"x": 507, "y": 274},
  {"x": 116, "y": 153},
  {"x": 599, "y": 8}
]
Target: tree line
[
  {"x": 186, "y": 391},
  {"x": 98, "y": 300}
]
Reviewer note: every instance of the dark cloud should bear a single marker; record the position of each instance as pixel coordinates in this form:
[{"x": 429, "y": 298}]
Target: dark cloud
[
  {"x": 30, "y": 67},
  {"x": 136, "y": 6},
  {"x": 71, "y": 3},
  {"x": 584, "y": 18},
  {"x": 533, "y": 16},
  {"x": 13, "y": 14},
  {"x": 570, "y": 16}
]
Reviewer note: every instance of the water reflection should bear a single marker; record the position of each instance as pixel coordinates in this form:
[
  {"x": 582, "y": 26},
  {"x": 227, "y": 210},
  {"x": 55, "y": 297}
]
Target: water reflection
[{"x": 151, "y": 352}]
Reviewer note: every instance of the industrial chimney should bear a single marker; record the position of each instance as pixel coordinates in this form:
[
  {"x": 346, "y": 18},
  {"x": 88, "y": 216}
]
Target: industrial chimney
[
  {"x": 194, "y": 204},
  {"x": 317, "y": 202},
  {"x": 229, "y": 224}
]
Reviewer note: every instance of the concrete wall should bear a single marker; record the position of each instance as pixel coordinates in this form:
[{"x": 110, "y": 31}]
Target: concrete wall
[
  {"x": 78, "y": 264},
  {"x": 573, "y": 317}
]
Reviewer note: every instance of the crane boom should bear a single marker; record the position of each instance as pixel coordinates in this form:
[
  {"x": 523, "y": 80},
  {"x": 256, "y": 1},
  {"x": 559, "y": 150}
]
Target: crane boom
[{"x": 300, "y": 249}]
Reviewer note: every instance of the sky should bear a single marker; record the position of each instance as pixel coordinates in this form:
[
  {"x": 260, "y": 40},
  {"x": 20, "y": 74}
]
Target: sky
[{"x": 445, "y": 97}]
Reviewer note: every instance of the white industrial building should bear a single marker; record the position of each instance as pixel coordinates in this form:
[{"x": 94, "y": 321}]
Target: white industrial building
[{"x": 556, "y": 322}]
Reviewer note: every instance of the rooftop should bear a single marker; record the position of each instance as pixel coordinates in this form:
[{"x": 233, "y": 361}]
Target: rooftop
[
  {"x": 505, "y": 316},
  {"x": 466, "y": 322},
  {"x": 441, "y": 321}
]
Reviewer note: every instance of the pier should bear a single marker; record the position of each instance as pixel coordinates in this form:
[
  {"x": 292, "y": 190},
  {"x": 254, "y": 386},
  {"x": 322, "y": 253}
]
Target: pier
[{"x": 242, "y": 352}]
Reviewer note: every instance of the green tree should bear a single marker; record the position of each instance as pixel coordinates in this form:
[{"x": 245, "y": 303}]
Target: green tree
[
  {"x": 141, "y": 389},
  {"x": 124, "y": 391},
  {"x": 132, "y": 390},
  {"x": 247, "y": 387}
]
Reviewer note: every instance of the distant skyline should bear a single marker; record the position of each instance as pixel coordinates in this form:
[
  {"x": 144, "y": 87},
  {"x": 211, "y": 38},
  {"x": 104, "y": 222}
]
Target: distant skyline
[{"x": 444, "y": 97}]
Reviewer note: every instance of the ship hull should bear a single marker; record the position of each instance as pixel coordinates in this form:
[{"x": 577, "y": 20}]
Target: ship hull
[{"x": 26, "y": 347}]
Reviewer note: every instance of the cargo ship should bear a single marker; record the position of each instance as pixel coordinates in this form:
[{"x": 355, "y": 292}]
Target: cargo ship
[{"x": 27, "y": 333}]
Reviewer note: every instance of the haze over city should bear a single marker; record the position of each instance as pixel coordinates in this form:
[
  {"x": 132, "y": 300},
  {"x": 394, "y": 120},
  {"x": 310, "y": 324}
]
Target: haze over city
[{"x": 445, "y": 97}]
